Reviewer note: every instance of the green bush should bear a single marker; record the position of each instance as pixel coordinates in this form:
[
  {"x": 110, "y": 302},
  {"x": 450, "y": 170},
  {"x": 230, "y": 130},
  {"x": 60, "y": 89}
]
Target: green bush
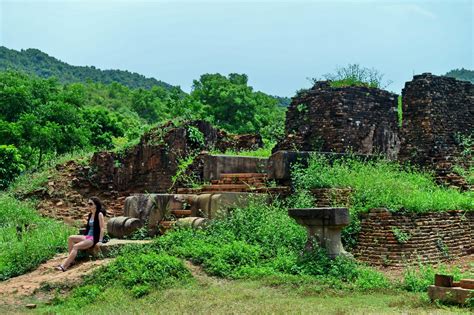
[
  {"x": 26, "y": 239},
  {"x": 10, "y": 164},
  {"x": 136, "y": 269},
  {"x": 261, "y": 240}
]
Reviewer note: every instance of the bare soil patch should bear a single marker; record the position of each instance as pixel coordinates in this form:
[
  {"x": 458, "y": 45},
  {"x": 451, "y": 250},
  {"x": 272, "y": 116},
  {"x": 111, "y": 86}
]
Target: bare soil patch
[{"x": 13, "y": 290}]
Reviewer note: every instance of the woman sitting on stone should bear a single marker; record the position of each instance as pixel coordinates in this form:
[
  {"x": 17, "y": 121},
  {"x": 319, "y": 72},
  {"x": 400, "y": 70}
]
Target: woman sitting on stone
[{"x": 94, "y": 232}]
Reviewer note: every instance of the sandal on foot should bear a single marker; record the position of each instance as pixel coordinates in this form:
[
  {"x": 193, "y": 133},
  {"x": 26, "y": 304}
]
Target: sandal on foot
[{"x": 61, "y": 268}]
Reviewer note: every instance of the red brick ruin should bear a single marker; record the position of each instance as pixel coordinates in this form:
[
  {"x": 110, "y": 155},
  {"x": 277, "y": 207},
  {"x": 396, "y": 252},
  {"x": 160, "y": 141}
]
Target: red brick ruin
[{"x": 438, "y": 114}]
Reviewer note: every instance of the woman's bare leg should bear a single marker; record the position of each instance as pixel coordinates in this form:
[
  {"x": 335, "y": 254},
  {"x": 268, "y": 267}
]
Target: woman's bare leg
[
  {"x": 72, "y": 255},
  {"x": 73, "y": 239}
]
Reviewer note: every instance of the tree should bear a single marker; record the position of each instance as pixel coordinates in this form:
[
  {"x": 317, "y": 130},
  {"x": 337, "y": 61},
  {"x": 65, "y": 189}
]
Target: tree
[
  {"x": 461, "y": 74},
  {"x": 10, "y": 164},
  {"x": 234, "y": 106},
  {"x": 103, "y": 125}
]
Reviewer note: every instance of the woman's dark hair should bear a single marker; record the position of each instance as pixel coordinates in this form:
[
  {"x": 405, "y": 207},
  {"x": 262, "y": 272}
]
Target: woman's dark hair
[
  {"x": 98, "y": 205},
  {"x": 98, "y": 209}
]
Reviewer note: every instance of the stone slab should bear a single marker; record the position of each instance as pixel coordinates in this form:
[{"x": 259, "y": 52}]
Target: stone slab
[
  {"x": 325, "y": 216},
  {"x": 215, "y": 165},
  {"x": 452, "y": 295}
]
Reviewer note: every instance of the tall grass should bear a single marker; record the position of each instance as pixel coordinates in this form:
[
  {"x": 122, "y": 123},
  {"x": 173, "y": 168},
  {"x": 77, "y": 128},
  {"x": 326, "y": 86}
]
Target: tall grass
[
  {"x": 417, "y": 279},
  {"x": 381, "y": 183},
  {"x": 26, "y": 239}
]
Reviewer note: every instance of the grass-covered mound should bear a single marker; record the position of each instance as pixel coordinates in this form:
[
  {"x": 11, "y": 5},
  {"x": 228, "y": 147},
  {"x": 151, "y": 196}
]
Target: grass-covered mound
[
  {"x": 381, "y": 183},
  {"x": 27, "y": 239}
]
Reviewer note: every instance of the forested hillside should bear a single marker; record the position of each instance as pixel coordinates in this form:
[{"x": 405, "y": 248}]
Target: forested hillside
[
  {"x": 461, "y": 74},
  {"x": 34, "y": 61}
]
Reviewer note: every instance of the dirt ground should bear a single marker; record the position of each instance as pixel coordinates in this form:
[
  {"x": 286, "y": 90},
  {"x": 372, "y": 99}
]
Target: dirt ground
[{"x": 12, "y": 291}]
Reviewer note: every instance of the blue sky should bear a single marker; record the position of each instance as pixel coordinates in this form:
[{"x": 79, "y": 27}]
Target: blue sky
[{"x": 279, "y": 44}]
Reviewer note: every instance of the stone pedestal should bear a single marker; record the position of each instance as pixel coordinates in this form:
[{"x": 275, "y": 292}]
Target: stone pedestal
[{"x": 324, "y": 225}]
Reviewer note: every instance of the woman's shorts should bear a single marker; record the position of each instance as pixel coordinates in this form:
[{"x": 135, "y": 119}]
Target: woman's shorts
[{"x": 89, "y": 237}]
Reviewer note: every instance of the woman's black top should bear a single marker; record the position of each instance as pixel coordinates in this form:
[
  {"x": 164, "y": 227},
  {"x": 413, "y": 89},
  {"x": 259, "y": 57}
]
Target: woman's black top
[{"x": 96, "y": 227}]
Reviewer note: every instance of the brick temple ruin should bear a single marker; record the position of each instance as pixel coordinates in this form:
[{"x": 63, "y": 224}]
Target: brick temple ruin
[{"x": 437, "y": 113}]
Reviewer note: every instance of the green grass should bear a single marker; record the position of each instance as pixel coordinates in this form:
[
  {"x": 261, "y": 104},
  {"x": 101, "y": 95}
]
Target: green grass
[
  {"x": 418, "y": 278},
  {"x": 255, "y": 297},
  {"x": 264, "y": 152},
  {"x": 382, "y": 184},
  {"x": 23, "y": 248}
]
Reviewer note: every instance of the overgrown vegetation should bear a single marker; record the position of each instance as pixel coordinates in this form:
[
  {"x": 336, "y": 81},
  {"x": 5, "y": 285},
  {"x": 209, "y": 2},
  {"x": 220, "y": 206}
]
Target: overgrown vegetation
[
  {"x": 26, "y": 239},
  {"x": 380, "y": 183},
  {"x": 355, "y": 75},
  {"x": 256, "y": 242},
  {"x": 418, "y": 278},
  {"x": 259, "y": 242}
]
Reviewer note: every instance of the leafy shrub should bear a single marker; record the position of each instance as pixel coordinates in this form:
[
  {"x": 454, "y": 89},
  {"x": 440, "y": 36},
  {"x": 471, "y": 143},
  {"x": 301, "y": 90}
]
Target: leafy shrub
[
  {"x": 130, "y": 270},
  {"x": 356, "y": 75},
  {"x": 136, "y": 269},
  {"x": 401, "y": 236},
  {"x": 26, "y": 239},
  {"x": 261, "y": 240},
  {"x": 10, "y": 164}
]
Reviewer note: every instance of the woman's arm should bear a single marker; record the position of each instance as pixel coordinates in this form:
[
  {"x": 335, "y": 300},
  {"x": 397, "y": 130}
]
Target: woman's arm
[{"x": 102, "y": 227}]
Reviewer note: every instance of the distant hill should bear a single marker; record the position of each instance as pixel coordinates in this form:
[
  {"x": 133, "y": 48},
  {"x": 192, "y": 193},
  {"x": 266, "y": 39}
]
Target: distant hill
[
  {"x": 35, "y": 61},
  {"x": 282, "y": 100},
  {"x": 461, "y": 74}
]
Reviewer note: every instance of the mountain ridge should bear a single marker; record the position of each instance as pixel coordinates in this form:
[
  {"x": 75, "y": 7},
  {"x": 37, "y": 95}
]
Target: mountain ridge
[{"x": 35, "y": 61}]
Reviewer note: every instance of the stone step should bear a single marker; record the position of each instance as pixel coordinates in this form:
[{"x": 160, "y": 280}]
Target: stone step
[
  {"x": 244, "y": 188},
  {"x": 239, "y": 188},
  {"x": 181, "y": 213},
  {"x": 224, "y": 187},
  {"x": 188, "y": 191},
  {"x": 243, "y": 175},
  {"x": 249, "y": 181}
]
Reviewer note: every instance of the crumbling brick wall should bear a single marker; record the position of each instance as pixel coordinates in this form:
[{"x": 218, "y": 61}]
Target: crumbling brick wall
[
  {"x": 430, "y": 237},
  {"x": 437, "y": 112},
  {"x": 358, "y": 119},
  {"x": 150, "y": 165}
]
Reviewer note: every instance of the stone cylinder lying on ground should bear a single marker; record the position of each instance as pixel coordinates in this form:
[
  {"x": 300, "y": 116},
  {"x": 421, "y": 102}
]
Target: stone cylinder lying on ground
[
  {"x": 122, "y": 226},
  {"x": 192, "y": 222}
]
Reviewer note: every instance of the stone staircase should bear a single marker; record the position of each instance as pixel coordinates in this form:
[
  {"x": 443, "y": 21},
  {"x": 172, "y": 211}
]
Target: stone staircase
[{"x": 237, "y": 182}]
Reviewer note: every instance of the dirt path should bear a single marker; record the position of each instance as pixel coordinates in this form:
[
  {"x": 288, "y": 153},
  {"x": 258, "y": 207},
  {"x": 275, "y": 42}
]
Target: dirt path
[{"x": 13, "y": 290}]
